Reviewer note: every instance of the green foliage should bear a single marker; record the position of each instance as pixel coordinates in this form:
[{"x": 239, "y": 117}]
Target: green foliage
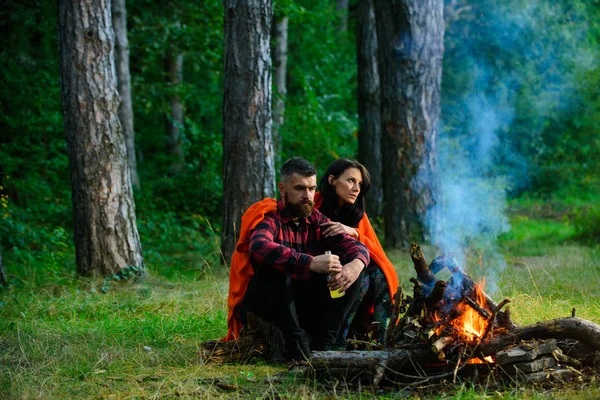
[
  {"x": 562, "y": 219},
  {"x": 195, "y": 30},
  {"x": 587, "y": 224},
  {"x": 178, "y": 246},
  {"x": 34, "y": 174},
  {"x": 320, "y": 117},
  {"x": 535, "y": 92}
]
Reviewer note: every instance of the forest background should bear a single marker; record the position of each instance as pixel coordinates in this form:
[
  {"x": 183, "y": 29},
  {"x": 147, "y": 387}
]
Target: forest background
[
  {"x": 519, "y": 99},
  {"x": 520, "y": 122}
]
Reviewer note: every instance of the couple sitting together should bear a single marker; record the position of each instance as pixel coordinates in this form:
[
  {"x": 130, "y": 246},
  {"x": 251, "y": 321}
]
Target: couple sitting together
[{"x": 292, "y": 252}]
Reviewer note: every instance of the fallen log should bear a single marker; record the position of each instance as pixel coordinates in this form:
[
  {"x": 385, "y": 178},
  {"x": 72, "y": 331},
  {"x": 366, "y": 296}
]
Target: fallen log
[
  {"x": 576, "y": 328},
  {"x": 241, "y": 350},
  {"x": 349, "y": 364}
]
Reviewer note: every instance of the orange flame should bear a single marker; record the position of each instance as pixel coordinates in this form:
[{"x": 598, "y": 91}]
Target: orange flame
[
  {"x": 476, "y": 360},
  {"x": 471, "y": 325}
]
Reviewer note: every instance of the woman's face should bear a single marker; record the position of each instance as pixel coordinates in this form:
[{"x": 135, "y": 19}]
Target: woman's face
[{"x": 347, "y": 185}]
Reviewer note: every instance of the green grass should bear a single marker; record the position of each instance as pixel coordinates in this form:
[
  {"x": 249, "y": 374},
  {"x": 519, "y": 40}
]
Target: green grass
[{"x": 62, "y": 338}]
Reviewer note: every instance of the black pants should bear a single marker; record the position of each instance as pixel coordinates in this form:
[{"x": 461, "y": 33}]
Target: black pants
[{"x": 298, "y": 307}]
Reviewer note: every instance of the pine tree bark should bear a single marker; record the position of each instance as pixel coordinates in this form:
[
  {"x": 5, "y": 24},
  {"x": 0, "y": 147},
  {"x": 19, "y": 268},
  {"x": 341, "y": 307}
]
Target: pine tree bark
[
  {"x": 119, "y": 16},
  {"x": 174, "y": 119},
  {"x": 248, "y": 163},
  {"x": 369, "y": 104},
  {"x": 410, "y": 37},
  {"x": 280, "y": 59},
  {"x": 106, "y": 235}
]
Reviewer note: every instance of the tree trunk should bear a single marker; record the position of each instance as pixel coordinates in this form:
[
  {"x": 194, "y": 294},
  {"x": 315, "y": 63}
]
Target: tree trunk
[
  {"x": 119, "y": 16},
  {"x": 410, "y": 37},
  {"x": 106, "y": 235},
  {"x": 342, "y": 9},
  {"x": 280, "y": 58},
  {"x": 174, "y": 120},
  {"x": 369, "y": 103},
  {"x": 248, "y": 166}
]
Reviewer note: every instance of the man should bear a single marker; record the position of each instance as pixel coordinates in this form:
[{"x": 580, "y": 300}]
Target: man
[{"x": 290, "y": 285}]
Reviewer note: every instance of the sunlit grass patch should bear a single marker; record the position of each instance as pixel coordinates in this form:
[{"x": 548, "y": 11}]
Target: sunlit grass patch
[
  {"x": 533, "y": 237},
  {"x": 77, "y": 333}
]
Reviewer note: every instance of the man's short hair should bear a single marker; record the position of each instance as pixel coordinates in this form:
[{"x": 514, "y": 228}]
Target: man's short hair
[{"x": 297, "y": 165}]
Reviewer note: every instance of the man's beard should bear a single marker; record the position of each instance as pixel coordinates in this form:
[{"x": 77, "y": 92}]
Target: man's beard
[{"x": 301, "y": 210}]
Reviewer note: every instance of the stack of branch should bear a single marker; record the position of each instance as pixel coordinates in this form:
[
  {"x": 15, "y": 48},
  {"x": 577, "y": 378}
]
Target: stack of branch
[{"x": 415, "y": 340}]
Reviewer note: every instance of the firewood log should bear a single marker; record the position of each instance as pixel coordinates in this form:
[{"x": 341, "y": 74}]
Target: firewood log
[
  {"x": 420, "y": 264},
  {"x": 436, "y": 294},
  {"x": 563, "y": 328},
  {"x": 335, "y": 362}
]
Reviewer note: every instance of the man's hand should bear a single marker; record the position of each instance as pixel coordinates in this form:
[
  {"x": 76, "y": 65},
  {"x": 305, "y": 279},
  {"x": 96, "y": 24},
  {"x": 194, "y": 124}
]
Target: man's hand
[
  {"x": 347, "y": 276},
  {"x": 336, "y": 228},
  {"x": 325, "y": 263}
]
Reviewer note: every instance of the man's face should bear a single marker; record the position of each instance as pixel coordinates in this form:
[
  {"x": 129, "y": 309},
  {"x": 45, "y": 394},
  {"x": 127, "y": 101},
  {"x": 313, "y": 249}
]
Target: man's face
[{"x": 298, "y": 194}]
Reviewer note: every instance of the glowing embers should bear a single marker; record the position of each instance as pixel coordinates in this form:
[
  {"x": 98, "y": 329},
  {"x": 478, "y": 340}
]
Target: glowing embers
[{"x": 486, "y": 360}]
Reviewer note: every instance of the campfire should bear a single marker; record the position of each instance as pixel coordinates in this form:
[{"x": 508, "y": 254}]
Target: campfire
[
  {"x": 453, "y": 328},
  {"x": 443, "y": 330},
  {"x": 451, "y": 316}
]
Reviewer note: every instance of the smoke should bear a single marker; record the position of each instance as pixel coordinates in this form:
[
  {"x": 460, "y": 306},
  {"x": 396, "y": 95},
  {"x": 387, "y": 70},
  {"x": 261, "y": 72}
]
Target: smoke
[
  {"x": 507, "y": 69},
  {"x": 471, "y": 208}
]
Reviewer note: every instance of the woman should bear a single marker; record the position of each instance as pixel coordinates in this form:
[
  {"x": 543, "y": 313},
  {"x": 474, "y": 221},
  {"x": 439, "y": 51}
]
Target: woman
[
  {"x": 346, "y": 210},
  {"x": 341, "y": 197}
]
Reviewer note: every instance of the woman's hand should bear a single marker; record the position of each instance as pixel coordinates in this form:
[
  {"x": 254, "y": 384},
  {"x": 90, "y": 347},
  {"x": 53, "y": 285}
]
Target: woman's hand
[
  {"x": 337, "y": 228},
  {"x": 349, "y": 275}
]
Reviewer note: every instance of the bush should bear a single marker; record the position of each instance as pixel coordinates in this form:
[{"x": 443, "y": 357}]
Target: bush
[
  {"x": 176, "y": 246},
  {"x": 587, "y": 224}
]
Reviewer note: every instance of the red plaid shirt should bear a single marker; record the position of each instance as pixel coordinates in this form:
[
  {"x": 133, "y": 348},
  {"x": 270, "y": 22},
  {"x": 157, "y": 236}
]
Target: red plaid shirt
[{"x": 279, "y": 242}]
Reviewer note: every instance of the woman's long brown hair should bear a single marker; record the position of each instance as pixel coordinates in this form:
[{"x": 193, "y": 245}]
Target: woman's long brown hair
[{"x": 347, "y": 214}]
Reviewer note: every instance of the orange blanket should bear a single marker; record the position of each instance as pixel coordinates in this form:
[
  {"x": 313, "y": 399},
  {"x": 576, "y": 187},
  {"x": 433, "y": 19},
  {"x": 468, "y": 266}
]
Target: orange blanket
[{"x": 241, "y": 269}]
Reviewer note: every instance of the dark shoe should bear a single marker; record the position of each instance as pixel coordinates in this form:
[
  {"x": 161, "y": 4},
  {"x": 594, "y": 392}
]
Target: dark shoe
[
  {"x": 323, "y": 347},
  {"x": 299, "y": 350},
  {"x": 328, "y": 346}
]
